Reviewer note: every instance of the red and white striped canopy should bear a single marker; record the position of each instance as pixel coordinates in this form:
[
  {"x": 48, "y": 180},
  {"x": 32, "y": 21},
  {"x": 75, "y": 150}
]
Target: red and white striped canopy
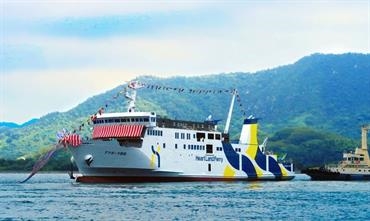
[
  {"x": 73, "y": 139},
  {"x": 117, "y": 131}
]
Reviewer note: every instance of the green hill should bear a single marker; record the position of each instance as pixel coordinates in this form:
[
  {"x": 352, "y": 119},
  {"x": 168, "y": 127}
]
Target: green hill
[{"x": 327, "y": 93}]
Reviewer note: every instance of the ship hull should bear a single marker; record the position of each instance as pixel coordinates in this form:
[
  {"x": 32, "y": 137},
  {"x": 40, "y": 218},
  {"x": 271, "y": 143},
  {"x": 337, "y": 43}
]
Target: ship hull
[
  {"x": 172, "y": 151},
  {"x": 149, "y": 179},
  {"x": 322, "y": 174},
  {"x": 108, "y": 162}
]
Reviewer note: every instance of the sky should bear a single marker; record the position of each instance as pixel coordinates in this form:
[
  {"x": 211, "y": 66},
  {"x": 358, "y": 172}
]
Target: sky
[{"x": 56, "y": 54}]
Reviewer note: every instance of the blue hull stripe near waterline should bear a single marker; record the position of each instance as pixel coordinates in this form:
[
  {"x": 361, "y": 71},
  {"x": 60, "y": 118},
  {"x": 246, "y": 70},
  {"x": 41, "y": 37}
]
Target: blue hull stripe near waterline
[{"x": 231, "y": 156}]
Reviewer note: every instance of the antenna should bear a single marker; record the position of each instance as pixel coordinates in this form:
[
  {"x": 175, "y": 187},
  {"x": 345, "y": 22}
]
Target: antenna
[{"x": 228, "y": 120}]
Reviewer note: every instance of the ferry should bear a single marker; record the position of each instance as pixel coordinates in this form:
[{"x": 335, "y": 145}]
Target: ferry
[
  {"x": 354, "y": 166},
  {"x": 135, "y": 146}
]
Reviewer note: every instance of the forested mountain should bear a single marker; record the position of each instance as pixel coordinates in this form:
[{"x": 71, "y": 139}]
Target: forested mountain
[{"x": 322, "y": 93}]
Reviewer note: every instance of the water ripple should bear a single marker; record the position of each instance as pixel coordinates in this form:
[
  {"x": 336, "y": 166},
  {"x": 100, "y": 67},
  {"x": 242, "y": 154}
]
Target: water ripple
[{"x": 55, "y": 197}]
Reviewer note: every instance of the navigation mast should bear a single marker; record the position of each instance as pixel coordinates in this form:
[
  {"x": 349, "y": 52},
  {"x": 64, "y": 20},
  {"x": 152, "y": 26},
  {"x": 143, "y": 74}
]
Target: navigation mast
[
  {"x": 134, "y": 85},
  {"x": 228, "y": 120}
]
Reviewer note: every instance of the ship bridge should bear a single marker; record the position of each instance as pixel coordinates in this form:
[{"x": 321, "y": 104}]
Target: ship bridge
[
  {"x": 147, "y": 119},
  {"x": 128, "y": 125}
]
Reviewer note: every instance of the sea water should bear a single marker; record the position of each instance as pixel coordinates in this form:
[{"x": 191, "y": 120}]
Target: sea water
[{"x": 56, "y": 197}]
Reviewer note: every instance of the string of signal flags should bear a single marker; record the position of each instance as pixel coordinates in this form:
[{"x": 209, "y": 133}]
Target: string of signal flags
[
  {"x": 66, "y": 138},
  {"x": 156, "y": 87}
]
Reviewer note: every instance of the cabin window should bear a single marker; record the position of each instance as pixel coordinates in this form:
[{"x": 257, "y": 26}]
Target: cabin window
[
  {"x": 184, "y": 146},
  {"x": 164, "y": 145},
  {"x": 176, "y": 135},
  {"x": 209, "y": 167},
  {"x": 218, "y": 137},
  {"x": 209, "y": 148},
  {"x": 182, "y": 135},
  {"x": 175, "y": 146},
  {"x": 146, "y": 119},
  {"x": 211, "y": 136},
  {"x": 201, "y": 136},
  {"x": 188, "y": 136}
]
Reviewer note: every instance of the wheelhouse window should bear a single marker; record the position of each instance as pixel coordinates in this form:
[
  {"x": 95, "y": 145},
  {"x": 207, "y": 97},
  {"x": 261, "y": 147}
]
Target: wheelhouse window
[
  {"x": 211, "y": 136},
  {"x": 201, "y": 136},
  {"x": 218, "y": 136}
]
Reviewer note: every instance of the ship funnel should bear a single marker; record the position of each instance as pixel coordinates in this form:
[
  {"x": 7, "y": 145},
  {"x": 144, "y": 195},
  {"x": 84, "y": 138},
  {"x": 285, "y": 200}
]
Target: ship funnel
[{"x": 249, "y": 132}]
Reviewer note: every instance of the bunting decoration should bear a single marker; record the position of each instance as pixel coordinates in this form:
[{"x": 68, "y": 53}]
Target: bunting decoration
[
  {"x": 42, "y": 161},
  {"x": 136, "y": 84},
  {"x": 66, "y": 138},
  {"x": 73, "y": 139},
  {"x": 195, "y": 91}
]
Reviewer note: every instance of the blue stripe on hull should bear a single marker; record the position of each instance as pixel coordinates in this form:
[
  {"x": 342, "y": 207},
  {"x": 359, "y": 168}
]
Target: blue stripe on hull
[
  {"x": 274, "y": 167},
  {"x": 248, "y": 167},
  {"x": 231, "y": 156},
  {"x": 260, "y": 159}
]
